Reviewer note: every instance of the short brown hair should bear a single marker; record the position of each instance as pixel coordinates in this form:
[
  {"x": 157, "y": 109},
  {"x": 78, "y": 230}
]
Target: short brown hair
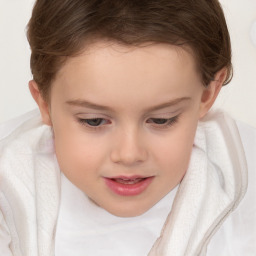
[{"x": 59, "y": 29}]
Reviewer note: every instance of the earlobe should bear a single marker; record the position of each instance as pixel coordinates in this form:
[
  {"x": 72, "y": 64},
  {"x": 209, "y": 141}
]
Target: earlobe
[
  {"x": 42, "y": 104},
  {"x": 211, "y": 92}
]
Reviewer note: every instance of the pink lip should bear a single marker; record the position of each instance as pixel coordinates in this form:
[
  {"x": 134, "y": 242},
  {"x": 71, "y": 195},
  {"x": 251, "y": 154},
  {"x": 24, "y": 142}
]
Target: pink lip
[{"x": 128, "y": 187}]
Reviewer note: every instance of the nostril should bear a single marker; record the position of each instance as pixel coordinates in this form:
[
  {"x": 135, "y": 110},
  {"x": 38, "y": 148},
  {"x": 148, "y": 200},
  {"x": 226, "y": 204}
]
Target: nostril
[
  {"x": 126, "y": 157},
  {"x": 129, "y": 150}
]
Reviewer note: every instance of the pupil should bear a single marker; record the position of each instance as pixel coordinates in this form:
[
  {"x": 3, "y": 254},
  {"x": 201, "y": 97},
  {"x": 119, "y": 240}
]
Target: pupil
[
  {"x": 94, "y": 122},
  {"x": 160, "y": 121}
]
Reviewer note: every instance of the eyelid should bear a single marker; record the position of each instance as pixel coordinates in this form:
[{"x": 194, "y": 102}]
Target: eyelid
[
  {"x": 92, "y": 115},
  {"x": 162, "y": 118},
  {"x": 169, "y": 122},
  {"x": 84, "y": 122},
  {"x": 164, "y": 114}
]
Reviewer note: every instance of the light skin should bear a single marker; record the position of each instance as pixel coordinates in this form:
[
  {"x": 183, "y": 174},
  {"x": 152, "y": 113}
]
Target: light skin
[{"x": 123, "y": 110}]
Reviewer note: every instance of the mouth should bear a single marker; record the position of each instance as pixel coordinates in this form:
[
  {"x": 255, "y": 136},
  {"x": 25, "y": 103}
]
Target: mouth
[{"x": 128, "y": 186}]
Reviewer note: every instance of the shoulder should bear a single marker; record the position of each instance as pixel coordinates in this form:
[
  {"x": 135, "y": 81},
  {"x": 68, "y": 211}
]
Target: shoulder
[
  {"x": 8, "y": 127},
  {"x": 23, "y": 141},
  {"x": 29, "y": 183},
  {"x": 237, "y": 234},
  {"x": 25, "y": 131}
]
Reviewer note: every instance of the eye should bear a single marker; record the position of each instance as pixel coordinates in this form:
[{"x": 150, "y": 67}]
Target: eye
[
  {"x": 163, "y": 122},
  {"x": 159, "y": 120},
  {"x": 94, "y": 122}
]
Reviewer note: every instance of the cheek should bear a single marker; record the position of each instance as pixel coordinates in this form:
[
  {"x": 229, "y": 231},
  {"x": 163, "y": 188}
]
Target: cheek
[
  {"x": 174, "y": 153},
  {"x": 78, "y": 154}
]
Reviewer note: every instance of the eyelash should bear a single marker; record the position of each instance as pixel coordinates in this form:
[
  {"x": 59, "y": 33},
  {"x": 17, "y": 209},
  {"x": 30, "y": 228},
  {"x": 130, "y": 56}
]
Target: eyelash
[
  {"x": 164, "y": 122},
  {"x": 167, "y": 122},
  {"x": 93, "y": 127}
]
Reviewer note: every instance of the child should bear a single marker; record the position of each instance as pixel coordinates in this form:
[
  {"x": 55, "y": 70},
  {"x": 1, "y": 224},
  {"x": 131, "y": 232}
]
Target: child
[{"x": 124, "y": 158}]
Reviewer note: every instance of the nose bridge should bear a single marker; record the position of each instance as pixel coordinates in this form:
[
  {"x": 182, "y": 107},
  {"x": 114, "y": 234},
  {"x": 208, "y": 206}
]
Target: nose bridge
[{"x": 129, "y": 147}]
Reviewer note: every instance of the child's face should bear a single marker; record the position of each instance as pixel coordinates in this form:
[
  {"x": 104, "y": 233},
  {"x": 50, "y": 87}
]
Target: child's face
[{"x": 124, "y": 121}]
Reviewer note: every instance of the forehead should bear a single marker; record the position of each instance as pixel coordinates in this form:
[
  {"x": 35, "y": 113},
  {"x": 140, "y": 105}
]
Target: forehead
[
  {"x": 103, "y": 56},
  {"x": 109, "y": 70}
]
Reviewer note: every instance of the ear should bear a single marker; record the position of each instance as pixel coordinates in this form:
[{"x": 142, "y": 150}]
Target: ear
[
  {"x": 211, "y": 92},
  {"x": 42, "y": 104}
]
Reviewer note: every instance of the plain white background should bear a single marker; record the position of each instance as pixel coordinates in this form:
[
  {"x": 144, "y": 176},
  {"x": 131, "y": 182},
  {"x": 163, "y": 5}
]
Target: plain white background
[{"x": 238, "y": 98}]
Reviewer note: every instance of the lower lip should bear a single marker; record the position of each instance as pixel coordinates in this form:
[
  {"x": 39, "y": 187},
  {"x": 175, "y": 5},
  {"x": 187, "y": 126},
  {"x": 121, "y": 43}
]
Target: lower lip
[{"x": 128, "y": 189}]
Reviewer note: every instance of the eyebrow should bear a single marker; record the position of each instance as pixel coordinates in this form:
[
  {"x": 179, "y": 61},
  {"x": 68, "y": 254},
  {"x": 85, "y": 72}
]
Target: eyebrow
[
  {"x": 168, "y": 104},
  {"x": 91, "y": 105},
  {"x": 87, "y": 104}
]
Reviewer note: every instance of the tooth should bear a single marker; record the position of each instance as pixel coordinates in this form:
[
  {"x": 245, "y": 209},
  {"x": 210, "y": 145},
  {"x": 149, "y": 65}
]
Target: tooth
[{"x": 129, "y": 181}]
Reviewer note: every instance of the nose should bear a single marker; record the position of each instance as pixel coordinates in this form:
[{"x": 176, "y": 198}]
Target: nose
[{"x": 128, "y": 148}]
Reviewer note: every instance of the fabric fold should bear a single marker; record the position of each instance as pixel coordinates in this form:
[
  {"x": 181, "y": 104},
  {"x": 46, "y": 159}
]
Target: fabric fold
[
  {"x": 213, "y": 186},
  {"x": 29, "y": 184}
]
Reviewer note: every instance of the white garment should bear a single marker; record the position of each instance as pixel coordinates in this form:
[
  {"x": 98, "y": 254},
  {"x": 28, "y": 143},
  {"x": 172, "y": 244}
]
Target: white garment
[
  {"x": 29, "y": 188},
  {"x": 83, "y": 226},
  {"x": 237, "y": 236},
  {"x": 211, "y": 189}
]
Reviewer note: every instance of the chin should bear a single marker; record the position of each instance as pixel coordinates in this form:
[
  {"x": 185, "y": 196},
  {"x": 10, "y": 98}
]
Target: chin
[
  {"x": 126, "y": 214},
  {"x": 126, "y": 211}
]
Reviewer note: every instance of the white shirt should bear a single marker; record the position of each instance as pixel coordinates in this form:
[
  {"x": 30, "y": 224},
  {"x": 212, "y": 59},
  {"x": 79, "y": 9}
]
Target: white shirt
[{"x": 83, "y": 226}]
